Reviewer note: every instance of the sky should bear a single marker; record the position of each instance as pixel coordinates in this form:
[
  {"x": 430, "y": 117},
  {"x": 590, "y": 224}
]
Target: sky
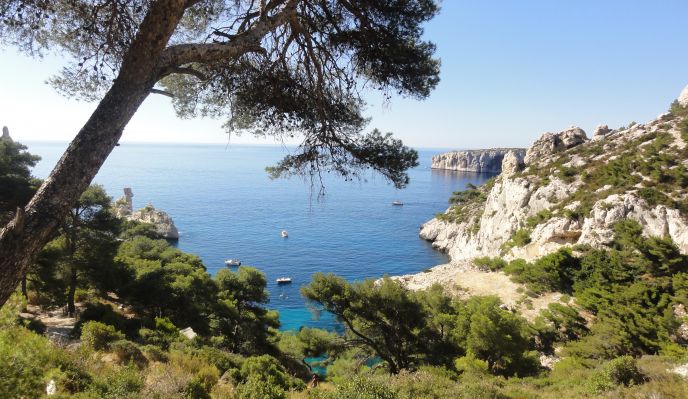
[{"x": 511, "y": 70}]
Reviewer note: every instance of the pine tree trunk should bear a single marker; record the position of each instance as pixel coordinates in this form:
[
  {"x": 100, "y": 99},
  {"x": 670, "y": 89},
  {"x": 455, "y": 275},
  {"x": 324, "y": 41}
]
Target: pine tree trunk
[
  {"x": 71, "y": 308},
  {"x": 33, "y": 226},
  {"x": 23, "y": 289}
]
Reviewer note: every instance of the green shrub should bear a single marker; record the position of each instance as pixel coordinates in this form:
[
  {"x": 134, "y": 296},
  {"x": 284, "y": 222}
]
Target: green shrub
[
  {"x": 98, "y": 336},
  {"x": 196, "y": 389},
  {"x": 491, "y": 264},
  {"x": 163, "y": 335},
  {"x": 154, "y": 353},
  {"x": 24, "y": 358},
  {"x": 128, "y": 352},
  {"x": 620, "y": 371},
  {"x": 520, "y": 238},
  {"x": 103, "y": 313},
  {"x": 360, "y": 388},
  {"x": 567, "y": 174},
  {"x": 470, "y": 194},
  {"x": 541, "y": 217},
  {"x": 553, "y": 272},
  {"x": 258, "y": 388},
  {"x": 121, "y": 383},
  {"x": 469, "y": 364}
]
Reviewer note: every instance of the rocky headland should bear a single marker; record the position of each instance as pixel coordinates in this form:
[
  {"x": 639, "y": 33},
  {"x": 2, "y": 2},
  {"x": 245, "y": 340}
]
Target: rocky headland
[
  {"x": 566, "y": 190},
  {"x": 163, "y": 223},
  {"x": 483, "y": 161}
]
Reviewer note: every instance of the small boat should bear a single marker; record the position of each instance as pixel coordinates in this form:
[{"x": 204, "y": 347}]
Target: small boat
[
  {"x": 285, "y": 234},
  {"x": 283, "y": 280},
  {"x": 232, "y": 262},
  {"x": 397, "y": 203}
]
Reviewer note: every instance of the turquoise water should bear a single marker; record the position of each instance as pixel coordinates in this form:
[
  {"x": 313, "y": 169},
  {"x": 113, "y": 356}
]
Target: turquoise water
[{"x": 225, "y": 206}]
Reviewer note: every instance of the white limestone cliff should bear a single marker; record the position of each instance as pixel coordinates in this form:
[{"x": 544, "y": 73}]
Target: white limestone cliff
[{"x": 485, "y": 161}]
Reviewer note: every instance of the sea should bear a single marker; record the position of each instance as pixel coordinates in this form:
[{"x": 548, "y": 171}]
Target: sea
[{"x": 225, "y": 206}]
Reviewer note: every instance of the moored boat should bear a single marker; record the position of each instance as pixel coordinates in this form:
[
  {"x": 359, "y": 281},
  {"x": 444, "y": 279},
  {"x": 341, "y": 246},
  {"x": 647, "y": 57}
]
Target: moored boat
[{"x": 233, "y": 262}]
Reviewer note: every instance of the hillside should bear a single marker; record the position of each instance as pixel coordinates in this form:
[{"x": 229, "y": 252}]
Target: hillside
[{"x": 569, "y": 191}]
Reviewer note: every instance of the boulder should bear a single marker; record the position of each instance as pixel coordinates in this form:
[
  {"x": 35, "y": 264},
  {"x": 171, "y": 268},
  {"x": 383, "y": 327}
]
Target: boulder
[
  {"x": 551, "y": 143},
  {"x": 601, "y": 131},
  {"x": 512, "y": 163}
]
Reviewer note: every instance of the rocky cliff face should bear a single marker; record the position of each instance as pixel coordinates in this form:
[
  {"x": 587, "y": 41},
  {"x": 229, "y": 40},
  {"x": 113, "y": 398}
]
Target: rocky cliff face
[
  {"x": 572, "y": 190},
  {"x": 489, "y": 161},
  {"x": 161, "y": 220}
]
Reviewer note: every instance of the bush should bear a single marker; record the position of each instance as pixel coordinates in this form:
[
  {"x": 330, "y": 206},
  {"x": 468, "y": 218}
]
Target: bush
[
  {"x": 24, "y": 358},
  {"x": 154, "y": 354},
  {"x": 98, "y": 336},
  {"x": 163, "y": 335},
  {"x": 123, "y": 383},
  {"x": 541, "y": 217},
  {"x": 128, "y": 352},
  {"x": 520, "y": 238},
  {"x": 360, "y": 388},
  {"x": 257, "y": 388},
  {"x": 492, "y": 264},
  {"x": 103, "y": 313},
  {"x": 620, "y": 371},
  {"x": 553, "y": 272}
]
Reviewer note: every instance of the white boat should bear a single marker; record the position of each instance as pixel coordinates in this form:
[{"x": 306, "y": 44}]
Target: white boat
[
  {"x": 285, "y": 234},
  {"x": 232, "y": 262},
  {"x": 283, "y": 280},
  {"x": 398, "y": 203}
]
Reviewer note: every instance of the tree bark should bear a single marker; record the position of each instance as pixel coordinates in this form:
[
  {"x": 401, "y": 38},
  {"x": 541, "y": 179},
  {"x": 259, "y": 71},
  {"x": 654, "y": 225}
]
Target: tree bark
[
  {"x": 33, "y": 226},
  {"x": 25, "y": 293},
  {"x": 71, "y": 308}
]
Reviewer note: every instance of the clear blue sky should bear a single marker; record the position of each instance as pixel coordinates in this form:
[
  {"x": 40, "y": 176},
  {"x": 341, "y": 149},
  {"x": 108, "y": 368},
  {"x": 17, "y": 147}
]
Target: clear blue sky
[{"x": 511, "y": 70}]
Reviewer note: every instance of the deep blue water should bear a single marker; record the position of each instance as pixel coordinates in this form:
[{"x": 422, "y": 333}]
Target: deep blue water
[{"x": 225, "y": 206}]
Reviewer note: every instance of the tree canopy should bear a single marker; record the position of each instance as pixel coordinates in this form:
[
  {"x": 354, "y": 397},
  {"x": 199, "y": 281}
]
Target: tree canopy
[
  {"x": 16, "y": 183},
  {"x": 272, "y": 68}
]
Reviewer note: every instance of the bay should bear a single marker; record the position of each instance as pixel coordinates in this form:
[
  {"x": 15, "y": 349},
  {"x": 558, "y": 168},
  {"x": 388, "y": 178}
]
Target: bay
[{"x": 225, "y": 206}]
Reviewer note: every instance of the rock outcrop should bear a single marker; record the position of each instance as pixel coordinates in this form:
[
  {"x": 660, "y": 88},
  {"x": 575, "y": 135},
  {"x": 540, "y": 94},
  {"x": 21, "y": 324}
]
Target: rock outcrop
[
  {"x": 164, "y": 225},
  {"x": 485, "y": 161},
  {"x": 552, "y": 143},
  {"x": 512, "y": 162},
  {"x": 6, "y": 133},
  {"x": 683, "y": 97},
  {"x": 601, "y": 131}
]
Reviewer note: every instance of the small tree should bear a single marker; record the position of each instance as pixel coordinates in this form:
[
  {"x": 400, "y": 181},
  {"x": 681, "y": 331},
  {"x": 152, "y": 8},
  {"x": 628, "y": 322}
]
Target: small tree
[
  {"x": 240, "y": 317},
  {"x": 383, "y": 317},
  {"x": 82, "y": 255},
  {"x": 16, "y": 183}
]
